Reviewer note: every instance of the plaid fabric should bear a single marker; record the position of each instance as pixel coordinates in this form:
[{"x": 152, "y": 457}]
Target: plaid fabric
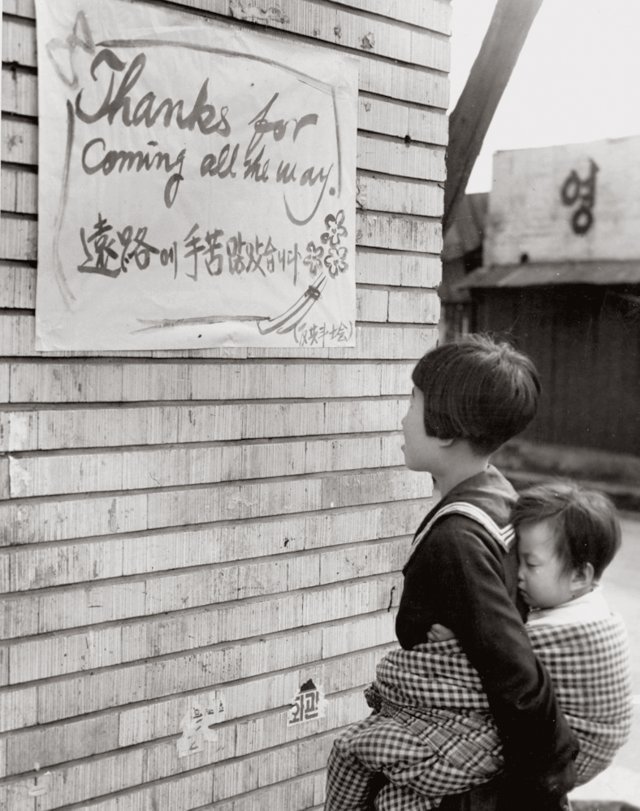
[
  {"x": 425, "y": 757},
  {"x": 434, "y": 735}
]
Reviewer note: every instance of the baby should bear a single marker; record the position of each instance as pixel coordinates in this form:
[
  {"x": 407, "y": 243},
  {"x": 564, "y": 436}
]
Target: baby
[{"x": 434, "y": 699}]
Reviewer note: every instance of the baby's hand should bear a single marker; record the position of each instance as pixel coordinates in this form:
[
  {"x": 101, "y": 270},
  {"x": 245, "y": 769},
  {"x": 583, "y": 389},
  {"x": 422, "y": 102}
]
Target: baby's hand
[{"x": 438, "y": 633}]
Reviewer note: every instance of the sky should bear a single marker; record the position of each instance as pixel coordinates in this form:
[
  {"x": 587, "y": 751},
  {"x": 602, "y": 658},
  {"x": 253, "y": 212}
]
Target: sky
[{"x": 577, "y": 78}]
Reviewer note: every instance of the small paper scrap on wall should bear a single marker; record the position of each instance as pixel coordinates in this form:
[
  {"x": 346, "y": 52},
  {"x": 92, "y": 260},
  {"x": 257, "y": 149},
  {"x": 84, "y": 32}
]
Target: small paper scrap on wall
[
  {"x": 308, "y": 705},
  {"x": 198, "y": 723},
  {"x": 196, "y": 185}
]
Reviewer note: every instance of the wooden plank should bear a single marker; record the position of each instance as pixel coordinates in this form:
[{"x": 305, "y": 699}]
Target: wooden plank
[
  {"x": 21, "y": 8},
  {"x": 372, "y": 305},
  {"x": 196, "y": 505},
  {"x": 343, "y": 27},
  {"x": 105, "y": 774},
  {"x": 59, "y": 655},
  {"x": 5, "y": 571},
  {"x": 362, "y": 632},
  {"x": 76, "y": 608},
  {"x": 402, "y": 120},
  {"x": 18, "y": 238},
  {"x": 77, "y": 739},
  {"x": 18, "y": 708},
  {"x": 19, "y": 142},
  {"x": 377, "y": 192},
  {"x": 414, "y": 306},
  {"x": 400, "y": 232},
  {"x": 87, "y": 692},
  {"x": 19, "y": 41},
  {"x": 27, "y": 522},
  {"x": 412, "y": 160},
  {"x": 403, "y": 83},
  {"x": 182, "y": 793},
  {"x": 18, "y": 282},
  {"x": 481, "y": 94},
  {"x": 397, "y": 269},
  {"x": 17, "y": 331},
  {"x": 432, "y": 14},
  {"x": 36, "y": 566},
  {"x": 90, "y": 472},
  {"x": 4, "y": 382},
  {"x": 162, "y": 718},
  {"x": 382, "y": 193},
  {"x": 19, "y": 91},
  {"x": 53, "y": 428},
  {"x": 375, "y": 115},
  {"x": 295, "y": 795},
  {"x": 76, "y": 782},
  {"x": 254, "y": 772},
  {"x": 17, "y": 286},
  {"x": 394, "y": 80},
  {"x": 31, "y": 522},
  {"x": 19, "y": 190},
  {"x": 90, "y": 381},
  {"x": 420, "y": 161}
]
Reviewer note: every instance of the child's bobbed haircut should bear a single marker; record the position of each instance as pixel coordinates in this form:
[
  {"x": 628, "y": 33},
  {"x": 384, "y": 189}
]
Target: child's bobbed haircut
[
  {"x": 586, "y": 526},
  {"x": 477, "y": 389}
]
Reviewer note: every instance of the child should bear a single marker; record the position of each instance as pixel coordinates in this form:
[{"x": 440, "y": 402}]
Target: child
[
  {"x": 468, "y": 399},
  {"x": 566, "y": 538}
]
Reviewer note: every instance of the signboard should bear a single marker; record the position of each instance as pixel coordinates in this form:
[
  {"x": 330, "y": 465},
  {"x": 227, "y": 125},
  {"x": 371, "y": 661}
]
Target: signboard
[
  {"x": 576, "y": 202},
  {"x": 196, "y": 183}
]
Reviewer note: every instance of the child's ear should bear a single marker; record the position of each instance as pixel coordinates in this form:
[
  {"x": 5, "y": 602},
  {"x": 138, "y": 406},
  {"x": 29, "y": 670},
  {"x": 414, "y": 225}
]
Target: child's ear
[
  {"x": 582, "y": 578},
  {"x": 445, "y": 443}
]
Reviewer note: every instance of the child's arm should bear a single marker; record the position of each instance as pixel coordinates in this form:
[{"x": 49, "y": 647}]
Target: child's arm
[{"x": 458, "y": 572}]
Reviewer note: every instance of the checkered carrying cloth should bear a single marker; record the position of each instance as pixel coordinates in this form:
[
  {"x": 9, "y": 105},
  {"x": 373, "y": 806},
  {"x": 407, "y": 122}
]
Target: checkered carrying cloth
[{"x": 434, "y": 735}]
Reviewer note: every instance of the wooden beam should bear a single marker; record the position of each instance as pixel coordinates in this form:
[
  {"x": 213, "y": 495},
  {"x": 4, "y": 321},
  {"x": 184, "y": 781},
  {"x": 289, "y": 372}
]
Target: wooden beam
[{"x": 477, "y": 104}]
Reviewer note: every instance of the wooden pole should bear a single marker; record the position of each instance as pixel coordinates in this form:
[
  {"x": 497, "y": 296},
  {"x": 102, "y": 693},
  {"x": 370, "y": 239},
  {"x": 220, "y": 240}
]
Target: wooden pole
[{"x": 470, "y": 120}]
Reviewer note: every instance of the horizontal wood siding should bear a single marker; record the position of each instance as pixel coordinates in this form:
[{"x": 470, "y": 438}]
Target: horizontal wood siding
[
  {"x": 177, "y": 524},
  {"x": 572, "y": 333}
]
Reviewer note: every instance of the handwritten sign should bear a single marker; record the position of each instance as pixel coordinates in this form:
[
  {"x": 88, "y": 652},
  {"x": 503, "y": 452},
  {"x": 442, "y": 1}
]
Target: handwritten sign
[
  {"x": 566, "y": 203},
  {"x": 196, "y": 183}
]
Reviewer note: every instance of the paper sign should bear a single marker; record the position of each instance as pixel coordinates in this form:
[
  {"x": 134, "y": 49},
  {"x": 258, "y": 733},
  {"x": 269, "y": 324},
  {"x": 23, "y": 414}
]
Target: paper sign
[
  {"x": 196, "y": 183},
  {"x": 308, "y": 705}
]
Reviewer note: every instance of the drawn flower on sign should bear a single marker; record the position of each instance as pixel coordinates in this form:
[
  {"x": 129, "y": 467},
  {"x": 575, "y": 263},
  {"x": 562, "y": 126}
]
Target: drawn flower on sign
[
  {"x": 313, "y": 259},
  {"x": 335, "y": 229},
  {"x": 336, "y": 261}
]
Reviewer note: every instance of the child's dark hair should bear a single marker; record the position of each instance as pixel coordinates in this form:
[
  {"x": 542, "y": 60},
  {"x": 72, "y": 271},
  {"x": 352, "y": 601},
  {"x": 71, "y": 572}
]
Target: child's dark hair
[
  {"x": 478, "y": 390},
  {"x": 586, "y": 524}
]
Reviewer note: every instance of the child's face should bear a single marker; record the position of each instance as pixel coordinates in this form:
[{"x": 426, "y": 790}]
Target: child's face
[
  {"x": 421, "y": 451},
  {"x": 541, "y": 579}
]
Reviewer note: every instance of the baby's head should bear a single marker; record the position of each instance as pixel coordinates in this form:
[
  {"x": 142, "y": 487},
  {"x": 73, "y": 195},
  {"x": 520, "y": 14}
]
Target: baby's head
[
  {"x": 567, "y": 536},
  {"x": 478, "y": 390}
]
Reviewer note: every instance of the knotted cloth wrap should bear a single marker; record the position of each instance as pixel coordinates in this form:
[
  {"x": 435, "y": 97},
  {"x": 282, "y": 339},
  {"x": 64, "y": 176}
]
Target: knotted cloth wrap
[
  {"x": 432, "y": 733},
  {"x": 435, "y": 688}
]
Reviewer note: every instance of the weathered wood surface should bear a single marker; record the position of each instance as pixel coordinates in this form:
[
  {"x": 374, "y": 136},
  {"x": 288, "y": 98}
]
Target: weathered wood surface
[
  {"x": 36, "y": 566},
  {"x": 482, "y": 92},
  {"x": 574, "y": 202},
  {"x": 229, "y": 520}
]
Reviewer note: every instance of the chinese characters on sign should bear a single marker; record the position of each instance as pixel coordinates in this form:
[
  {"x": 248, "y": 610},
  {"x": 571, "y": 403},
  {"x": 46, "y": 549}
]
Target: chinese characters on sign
[{"x": 199, "y": 190}]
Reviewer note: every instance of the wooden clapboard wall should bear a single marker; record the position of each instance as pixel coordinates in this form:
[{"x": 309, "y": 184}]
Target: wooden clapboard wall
[{"x": 177, "y": 523}]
